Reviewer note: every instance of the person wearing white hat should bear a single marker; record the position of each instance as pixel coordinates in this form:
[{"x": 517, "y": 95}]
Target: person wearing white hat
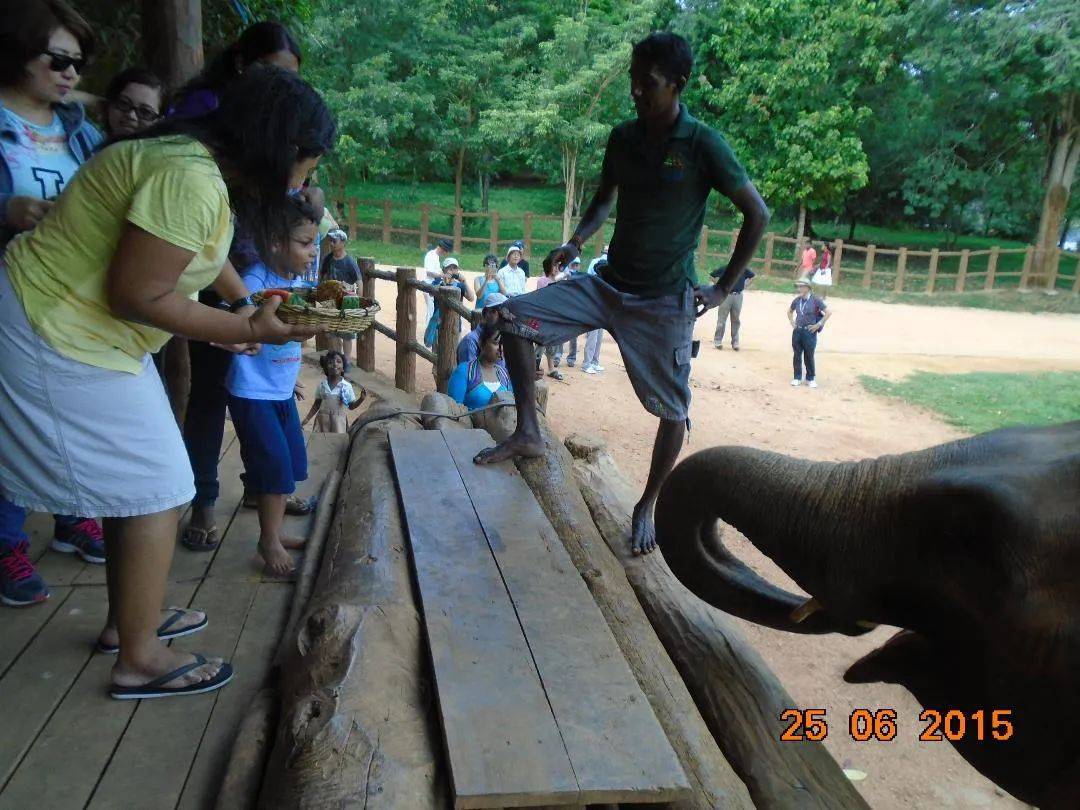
[
  {"x": 807, "y": 315},
  {"x": 512, "y": 275},
  {"x": 451, "y": 275},
  {"x": 340, "y": 266}
]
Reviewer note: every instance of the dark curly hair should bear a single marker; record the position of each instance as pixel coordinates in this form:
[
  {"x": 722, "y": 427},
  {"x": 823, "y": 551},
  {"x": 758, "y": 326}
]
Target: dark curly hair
[
  {"x": 132, "y": 75},
  {"x": 268, "y": 119},
  {"x": 324, "y": 361},
  {"x": 25, "y": 28},
  {"x": 669, "y": 53}
]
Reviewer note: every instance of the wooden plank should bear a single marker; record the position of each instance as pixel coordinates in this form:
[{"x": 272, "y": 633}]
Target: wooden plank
[
  {"x": 20, "y": 627},
  {"x": 82, "y": 733},
  {"x": 617, "y": 747},
  {"x": 154, "y": 755},
  {"x": 253, "y": 658},
  {"x": 34, "y": 686},
  {"x": 502, "y": 743}
]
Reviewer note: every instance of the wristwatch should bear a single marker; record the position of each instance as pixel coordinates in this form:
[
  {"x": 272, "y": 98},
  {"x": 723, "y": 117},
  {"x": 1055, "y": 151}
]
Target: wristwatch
[
  {"x": 240, "y": 303},
  {"x": 577, "y": 242}
]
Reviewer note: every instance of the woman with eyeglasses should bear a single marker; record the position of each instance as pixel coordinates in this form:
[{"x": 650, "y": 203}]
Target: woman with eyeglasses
[
  {"x": 44, "y": 140},
  {"x": 489, "y": 282},
  {"x": 132, "y": 102}
]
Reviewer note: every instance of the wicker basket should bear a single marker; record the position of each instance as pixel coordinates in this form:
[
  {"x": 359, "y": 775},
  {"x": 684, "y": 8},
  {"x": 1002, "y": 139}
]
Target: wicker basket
[{"x": 328, "y": 316}]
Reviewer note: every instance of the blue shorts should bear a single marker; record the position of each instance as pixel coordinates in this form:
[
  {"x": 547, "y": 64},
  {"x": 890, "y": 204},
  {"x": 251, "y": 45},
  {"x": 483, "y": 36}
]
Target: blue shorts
[{"x": 271, "y": 444}]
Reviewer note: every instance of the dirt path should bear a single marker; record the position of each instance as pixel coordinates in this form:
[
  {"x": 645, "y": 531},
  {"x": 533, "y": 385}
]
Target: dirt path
[{"x": 744, "y": 398}]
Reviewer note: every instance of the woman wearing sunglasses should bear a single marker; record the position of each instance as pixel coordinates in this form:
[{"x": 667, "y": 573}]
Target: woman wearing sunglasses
[{"x": 44, "y": 139}]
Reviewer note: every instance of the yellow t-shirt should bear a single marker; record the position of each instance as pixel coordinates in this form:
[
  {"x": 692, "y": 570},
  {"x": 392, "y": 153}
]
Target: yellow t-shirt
[{"x": 170, "y": 187}]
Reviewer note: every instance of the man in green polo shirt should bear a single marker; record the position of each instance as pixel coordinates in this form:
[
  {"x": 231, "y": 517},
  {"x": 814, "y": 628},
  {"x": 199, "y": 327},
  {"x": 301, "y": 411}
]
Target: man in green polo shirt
[{"x": 663, "y": 164}]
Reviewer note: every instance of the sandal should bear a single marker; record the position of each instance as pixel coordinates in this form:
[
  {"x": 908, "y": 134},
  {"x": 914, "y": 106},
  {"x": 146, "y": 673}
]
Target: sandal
[
  {"x": 163, "y": 631},
  {"x": 156, "y": 688},
  {"x": 556, "y": 375},
  {"x": 197, "y": 539}
]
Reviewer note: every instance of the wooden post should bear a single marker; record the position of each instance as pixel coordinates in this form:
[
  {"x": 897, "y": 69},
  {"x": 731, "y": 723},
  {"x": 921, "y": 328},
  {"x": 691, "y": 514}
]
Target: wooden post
[
  {"x": 449, "y": 334},
  {"x": 703, "y": 250},
  {"x": 495, "y": 232},
  {"x": 1055, "y": 264},
  {"x": 901, "y": 269},
  {"x": 172, "y": 39},
  {"x": 931, "y": 280},
  {"x": 868, "y": 268},
  {"x": 354, "y": 220},
  {"x": 404, "y": 359},
  {"x": 527, "y": 238},
  {"x": 425, "y": 225},
  {"x": 991, "y": 268},
  {"x": 1076, "y": 278},
  {"x": 961, "y": 275},
  {"x": 386, "y": 220},
  {"x": 770, "y": 241},
  {"x": 365, "y": 346},
  {"x": 457, "y": 230},
  {"x": 838, "y": 254},
  {"x": 1025, "y": 274}
]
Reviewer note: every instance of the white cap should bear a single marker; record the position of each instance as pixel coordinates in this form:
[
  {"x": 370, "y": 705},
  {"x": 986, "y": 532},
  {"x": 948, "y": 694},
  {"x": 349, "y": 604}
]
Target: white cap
[
  {"x": 494, "y": 299},
  {"x": 511, "y": 249},
  {"x": 450, "y": 261}
]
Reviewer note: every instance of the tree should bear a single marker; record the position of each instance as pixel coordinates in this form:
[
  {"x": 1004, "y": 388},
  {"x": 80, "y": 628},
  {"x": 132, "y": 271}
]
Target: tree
[{"x": 781, "y": 79}]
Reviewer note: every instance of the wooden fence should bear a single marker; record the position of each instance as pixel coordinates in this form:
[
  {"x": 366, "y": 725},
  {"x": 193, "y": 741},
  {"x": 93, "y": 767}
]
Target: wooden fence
[
  {"x": 406, "y": 346},
  {"x": 869, "y": 266}
]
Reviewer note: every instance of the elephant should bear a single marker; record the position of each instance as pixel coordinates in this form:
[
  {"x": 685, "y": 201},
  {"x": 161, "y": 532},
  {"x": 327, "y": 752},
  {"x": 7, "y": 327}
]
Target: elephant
[{"x": 970, "y": 548}]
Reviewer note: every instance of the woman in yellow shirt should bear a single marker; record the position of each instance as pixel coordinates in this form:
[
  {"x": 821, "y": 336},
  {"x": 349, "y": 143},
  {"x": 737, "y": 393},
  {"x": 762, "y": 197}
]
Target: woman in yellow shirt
[{"x": 104, "y": 279}]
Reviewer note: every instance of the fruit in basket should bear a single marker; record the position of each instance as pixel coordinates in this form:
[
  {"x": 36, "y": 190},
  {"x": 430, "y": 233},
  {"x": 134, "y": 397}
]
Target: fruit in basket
[
  {"x": 330, "y": 290},
  {"x": 350, "y": 302},
  {"x": 297, "y": 300},
  {"x": 282, "y": 294}
]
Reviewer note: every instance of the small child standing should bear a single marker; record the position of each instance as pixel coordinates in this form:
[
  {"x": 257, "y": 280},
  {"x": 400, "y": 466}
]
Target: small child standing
[
  {"x": 261, "y": 389},
  {"x": 333, "y": 396}
]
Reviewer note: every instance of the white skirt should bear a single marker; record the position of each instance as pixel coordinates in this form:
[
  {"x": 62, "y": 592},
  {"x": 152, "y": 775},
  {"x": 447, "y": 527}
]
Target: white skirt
[{"x": 77, "y": 439}]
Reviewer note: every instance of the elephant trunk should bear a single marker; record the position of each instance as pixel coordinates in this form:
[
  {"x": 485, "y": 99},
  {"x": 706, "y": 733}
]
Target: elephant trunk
[{"x": 788, "y": 508}]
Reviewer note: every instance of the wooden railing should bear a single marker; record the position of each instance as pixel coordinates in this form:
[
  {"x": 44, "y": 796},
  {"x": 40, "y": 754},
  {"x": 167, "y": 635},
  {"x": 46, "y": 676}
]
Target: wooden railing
[
  {"x": 406, "y": 346},
  {"x": 896, "y": 270}
]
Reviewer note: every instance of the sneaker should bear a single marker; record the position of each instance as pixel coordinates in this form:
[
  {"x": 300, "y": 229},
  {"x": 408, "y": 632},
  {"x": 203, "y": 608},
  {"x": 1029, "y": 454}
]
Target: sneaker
[
  {"x": 20, "y": 584},
  {"x": 734, "y": 348},
  {"x": 570, "y": 363},
  {"x": 812, "y": 383},
  {"x": 589, "y": 369},
  {"x": 597, "y": 367},
  {"x": 719, "y": 346},
  {"x": 83, "y": 538},
  {"x": 796, "y": 382},
  {"x": 555, "y": 361}
]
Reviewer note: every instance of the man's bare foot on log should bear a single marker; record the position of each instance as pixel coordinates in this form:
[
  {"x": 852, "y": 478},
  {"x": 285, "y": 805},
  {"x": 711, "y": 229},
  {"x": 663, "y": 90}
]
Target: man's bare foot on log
[
  {"x": 516, "y": 445},
  {"x": 643, "y": 530}
]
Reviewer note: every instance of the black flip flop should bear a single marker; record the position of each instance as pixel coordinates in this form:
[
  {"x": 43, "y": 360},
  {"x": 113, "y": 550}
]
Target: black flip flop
[
  {"x": 163, "y": 632},
  {"x": 156, "y": 688},
  {"x": 196, "y": 539}
]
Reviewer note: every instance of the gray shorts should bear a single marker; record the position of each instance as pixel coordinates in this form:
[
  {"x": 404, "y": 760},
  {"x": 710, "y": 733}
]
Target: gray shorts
[{"x": 654, "y": 334}]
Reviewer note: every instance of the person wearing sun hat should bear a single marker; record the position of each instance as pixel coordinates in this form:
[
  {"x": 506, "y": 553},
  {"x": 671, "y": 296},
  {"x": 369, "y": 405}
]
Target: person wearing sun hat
[
  {"x": 807, "y": 315},
  {"x": 450, "y": 275},
  {"x": 512, "y": 275}
]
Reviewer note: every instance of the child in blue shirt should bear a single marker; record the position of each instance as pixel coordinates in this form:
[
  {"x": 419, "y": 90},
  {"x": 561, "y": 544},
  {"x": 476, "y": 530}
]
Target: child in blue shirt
[{"x": 261, "y": 389}]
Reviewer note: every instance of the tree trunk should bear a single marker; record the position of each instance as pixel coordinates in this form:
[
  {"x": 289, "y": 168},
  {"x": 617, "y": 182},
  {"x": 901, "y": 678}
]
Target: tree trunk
[
  {"x": 713, "y": 782},
  {"x": 800, "y": 224},
  {"x": 1060, "y": 173},
  {"x": 358, "y": 726},
  {"x": 739, "y": 697},
  {"x": 851, "y": 230},
  {"x": 172, "y": 39},
  {"x": 459, "y": 171},
  {"x": 569, "y": 171}
]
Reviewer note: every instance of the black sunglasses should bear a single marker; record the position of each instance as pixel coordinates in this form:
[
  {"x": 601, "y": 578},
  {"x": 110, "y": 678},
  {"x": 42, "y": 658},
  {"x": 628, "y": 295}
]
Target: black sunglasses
[
  {"x": 59, "y": 62},
  {"x": 147, "y": 115}
]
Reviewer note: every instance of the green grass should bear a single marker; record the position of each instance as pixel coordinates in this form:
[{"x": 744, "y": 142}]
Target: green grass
[
  {"x": 512, "y": 203},
  {"x": 984, "y": 401}
]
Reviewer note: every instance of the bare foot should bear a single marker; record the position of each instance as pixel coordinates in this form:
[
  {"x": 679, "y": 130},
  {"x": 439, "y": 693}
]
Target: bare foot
[
  {"x": 294, "y": 542},
  {"x": 189, "y": 618},
  {"x": 166, "y": 660},
  {"x": 516, "y": 445},
  {"x": 275, "y": 556},
  {"x": 643, "y": 530}
]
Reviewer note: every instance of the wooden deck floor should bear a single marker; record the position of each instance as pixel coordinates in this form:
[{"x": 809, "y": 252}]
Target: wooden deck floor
[{"x": 64, "y": 743}]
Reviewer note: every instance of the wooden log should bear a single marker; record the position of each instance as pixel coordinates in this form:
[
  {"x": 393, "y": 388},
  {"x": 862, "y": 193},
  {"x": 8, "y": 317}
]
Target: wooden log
[
  {"x": 739, "y": 697},
  {"x": 365, "y": 346},
  {"x": 837, "y": 259},
  {"x": 447, "y": 341},
  {"x": 991, "y": 267},
  {"x": 961, "y": 275},
  {"x": 931, "y": 279},
  {"x": 357, "y": 723},
  {"x": 172, "y": 39},
  {"x": 404, "y": 359},
  {"x": 868, "y": 268},
  {"x": 247, "y": 760},
  {"x": 713, "y": 782},
  {"x": 901, "y": 269}
]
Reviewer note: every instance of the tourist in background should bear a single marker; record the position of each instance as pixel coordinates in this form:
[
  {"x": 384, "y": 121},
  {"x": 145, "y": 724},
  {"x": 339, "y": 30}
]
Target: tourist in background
[
  {"x": 132, "y": 102},
  {"x": 523, "y": 263},
  {"x": 432, "y": 271},
  {"x": 450, "y": 276},
  {"x": 475, "y": 383},
  {"x": 731, "y": 307},
  {"x": 338, "y": 265},
  {"x": 488, "y": 283},
  {"x": 44, "y": 140},
  {"x": 807, "y": 315},
  {"x": 511, "y": 274}
]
